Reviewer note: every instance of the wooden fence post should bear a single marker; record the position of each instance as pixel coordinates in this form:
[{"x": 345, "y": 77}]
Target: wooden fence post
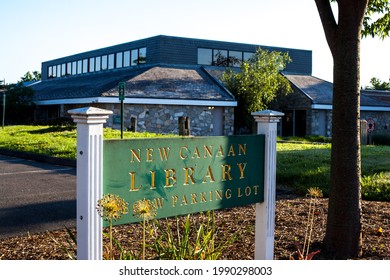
[
  {"x": 265, "y": 212},
  {"x": 89, "y": 122}
]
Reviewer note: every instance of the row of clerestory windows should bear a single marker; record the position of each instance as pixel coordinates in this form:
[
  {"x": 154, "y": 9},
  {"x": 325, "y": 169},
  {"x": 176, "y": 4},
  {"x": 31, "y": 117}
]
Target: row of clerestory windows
[
  {"x": 219, "y": 57},
  {"x": 98, "y": 63}
]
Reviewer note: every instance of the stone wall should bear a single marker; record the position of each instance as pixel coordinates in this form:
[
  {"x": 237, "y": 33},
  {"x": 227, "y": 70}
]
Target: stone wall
[
  {"x": 313, "y": 124},
  {"x": 381, "y": 121},
  {"x": 165, "y": 118}
]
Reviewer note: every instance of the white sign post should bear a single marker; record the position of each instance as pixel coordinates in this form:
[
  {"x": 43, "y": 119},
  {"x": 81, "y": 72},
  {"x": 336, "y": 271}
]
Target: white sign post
[
  {"x": 89, "y": 180},
  {"x": 265, "y": 212}
]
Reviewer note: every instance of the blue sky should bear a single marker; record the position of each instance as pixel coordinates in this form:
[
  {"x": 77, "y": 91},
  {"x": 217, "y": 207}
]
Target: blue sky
[{"x": 41, "y": 30}]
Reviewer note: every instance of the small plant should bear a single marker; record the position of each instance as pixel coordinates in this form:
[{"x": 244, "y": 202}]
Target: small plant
[
  {"x": 314, "y": 194},
  {"x": 191, "y": 241},
  {"x": 111, "y": 207},
  {"x": 145, "y": 210},
  {"x": 71, "y": 248}
]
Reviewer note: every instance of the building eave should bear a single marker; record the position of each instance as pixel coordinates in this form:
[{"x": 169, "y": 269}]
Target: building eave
[
  {"x": 146, "y": 101},
  {"x": 362, "y": 108}
]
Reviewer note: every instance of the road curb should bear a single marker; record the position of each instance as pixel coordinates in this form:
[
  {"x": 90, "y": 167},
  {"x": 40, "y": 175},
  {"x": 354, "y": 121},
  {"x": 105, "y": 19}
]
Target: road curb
[{"x": 38, "y": 157}]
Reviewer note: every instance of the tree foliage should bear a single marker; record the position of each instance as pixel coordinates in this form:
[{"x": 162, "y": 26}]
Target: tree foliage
[
  {"x": 30, "y": 77},
  {"x": 19, "y": 108},
  {"x": 257, "y": 84},
  {"x": 377, "y": 84},
  {"x": 376, "y": 22}
]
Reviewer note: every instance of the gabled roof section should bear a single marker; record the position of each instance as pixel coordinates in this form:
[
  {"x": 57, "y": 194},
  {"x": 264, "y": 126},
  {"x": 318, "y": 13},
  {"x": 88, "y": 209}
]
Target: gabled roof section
[
  {"x": 321, "y": 92},
  {"x": 146, "y": 82},
  {"x": 317, "y": 90},
  {"x": 174, "y": 82},
  {"x": 84, "y": 86}
]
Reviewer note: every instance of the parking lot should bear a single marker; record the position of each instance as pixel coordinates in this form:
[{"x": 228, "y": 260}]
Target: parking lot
[{"x": 35, "y": 196}]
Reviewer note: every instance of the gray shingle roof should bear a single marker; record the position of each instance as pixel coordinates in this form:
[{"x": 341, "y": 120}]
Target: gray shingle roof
[
  {"x": 321, "y": 92},
  {"x": 158, "y": 81}
]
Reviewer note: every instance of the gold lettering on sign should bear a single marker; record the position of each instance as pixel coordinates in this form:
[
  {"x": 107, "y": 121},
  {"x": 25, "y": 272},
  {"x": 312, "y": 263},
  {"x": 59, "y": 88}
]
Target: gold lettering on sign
[
  {"x": 189, "y": 175},
  {"x": 196, "y": 153},
  {"x": 231, "y": 151},
  {"x": 152, "y": 179},
  {"x": 159, "y": 202},
  {"x": 241, "y": 149},
  {"x": 174, "y": 200},
  {"x": 208, "y": 151},
  {"x": 164, "y": 153},
  {"x": 193, "y": 198},
  {"x": 203, "y": 197},
  {"x": 135, "y": 155},
  {"x": 256, "y": 188},
  {"x": 241, "y": 168},
  {"x": 209, "y": 174},
  {"x": 184, "y": 152},
  {"x": 170, "y": 178},
  {"x": 184, "y": 201},
  {"x": 226, "y": 172},
  {"x": 220, "y": 152},
  {"x": 228, "y": 193},
  {"x": 132, "y": 183},
  {"x": 149, "y": 155}
]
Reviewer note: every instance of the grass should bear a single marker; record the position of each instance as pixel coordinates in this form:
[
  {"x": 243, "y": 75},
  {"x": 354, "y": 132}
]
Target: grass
[
  {"x": 300, "y": 165},
  {"x": 56, "y": 141},
  {"x": 305, "y": 165}
]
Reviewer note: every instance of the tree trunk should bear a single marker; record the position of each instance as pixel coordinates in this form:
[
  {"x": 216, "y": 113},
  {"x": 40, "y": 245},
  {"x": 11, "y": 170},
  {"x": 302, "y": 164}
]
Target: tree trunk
[{"x": 343, "y": 232}]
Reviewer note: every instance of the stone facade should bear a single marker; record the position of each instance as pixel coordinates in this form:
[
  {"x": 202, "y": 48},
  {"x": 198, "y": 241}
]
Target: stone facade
[
  {"x": 381, "y": 120},
  {"x": 165, "y": 118},
  {"x": 319, "y": 122}
]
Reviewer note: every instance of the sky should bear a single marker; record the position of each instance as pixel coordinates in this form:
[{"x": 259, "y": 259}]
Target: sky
[{"x": 33, "y": 31}]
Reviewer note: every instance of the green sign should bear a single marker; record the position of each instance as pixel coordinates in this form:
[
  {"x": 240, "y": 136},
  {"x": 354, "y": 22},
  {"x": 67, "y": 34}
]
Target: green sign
[
  {"x": 121, "y": 90},
  {"x": 185, "y": 175}
]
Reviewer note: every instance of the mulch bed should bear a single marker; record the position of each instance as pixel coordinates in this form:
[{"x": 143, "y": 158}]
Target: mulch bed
[{"x": 291, "y": 220}]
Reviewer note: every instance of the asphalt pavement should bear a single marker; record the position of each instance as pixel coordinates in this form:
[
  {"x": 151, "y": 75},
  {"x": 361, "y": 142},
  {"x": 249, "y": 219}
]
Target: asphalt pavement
[{"x": 35, "y": 196}]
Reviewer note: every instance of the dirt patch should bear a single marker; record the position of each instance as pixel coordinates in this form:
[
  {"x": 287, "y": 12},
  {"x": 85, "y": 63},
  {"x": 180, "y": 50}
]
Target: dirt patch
[{"x": 290, "y": 226}]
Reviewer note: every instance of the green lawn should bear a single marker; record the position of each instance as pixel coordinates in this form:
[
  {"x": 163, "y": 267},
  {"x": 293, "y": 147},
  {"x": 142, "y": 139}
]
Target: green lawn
[
  {"x": 299, "y": 166},
  {"x": 302, "y": 166}
]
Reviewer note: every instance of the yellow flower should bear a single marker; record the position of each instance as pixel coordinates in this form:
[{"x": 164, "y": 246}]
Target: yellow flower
[
  {"x": 111, "y": 207},
  {"x": 314, "y": 192},
  {"x": 144, "y": 209}
]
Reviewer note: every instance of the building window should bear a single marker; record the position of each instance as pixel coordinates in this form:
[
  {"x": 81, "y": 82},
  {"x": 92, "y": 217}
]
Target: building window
[
  {"x": 104, "y": 62},
  {"x": 63, "y": 69},
  {"x": 248, "y": 55},
  {"x": 142, "y": 56},
  {"x": 119, "y": 60},
  {"x": 59, "y": 70},
  {"x": 97, "y": 63},
  {"x": 224, "y": 58},
  {"x": 220, "y": 58},
  {"x": 111, "y": 61},
  {"x": 79, "y": 66},
  {"x": 134, "y": 57},
  {"x": 85, "y": 65},
  {"x": 69, "y": 69},
  {"x": 50, "y": 72},
  {"x": 74, "y": 67},
  {"x": 126, "y": 59},
  {"x": 235, "y": 58},
  {"x": 205, "y": 56},
  {"x": 92, "y": 64}
]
